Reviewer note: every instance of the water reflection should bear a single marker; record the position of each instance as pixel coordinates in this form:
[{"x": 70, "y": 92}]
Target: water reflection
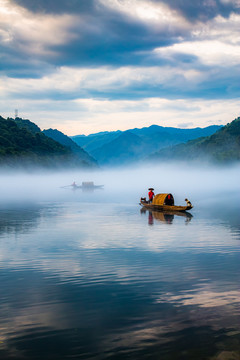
[
  {"x": 94, "y": 282},
  {"x": 162, "y": 309},
  {"x": 14, "y": 220},
  {"x": 165, "y": 217},
  {"x": 23, "y": 218}
]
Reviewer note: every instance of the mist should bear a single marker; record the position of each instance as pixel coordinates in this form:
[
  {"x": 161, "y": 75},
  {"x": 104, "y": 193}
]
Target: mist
[
  {"x": 202, "y": 185},
  {"x": 71, "y": 259}
]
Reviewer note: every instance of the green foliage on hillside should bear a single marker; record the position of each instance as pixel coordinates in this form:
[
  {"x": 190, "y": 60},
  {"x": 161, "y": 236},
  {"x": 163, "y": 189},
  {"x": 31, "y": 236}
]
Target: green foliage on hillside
[
  {"x": 15, "y": 140},
  {"x": 22, "y": 144},
  {"x": 67, "y": 141},
  {"x": 26, "y": 124},
  {"x": 221, "y": 147}
]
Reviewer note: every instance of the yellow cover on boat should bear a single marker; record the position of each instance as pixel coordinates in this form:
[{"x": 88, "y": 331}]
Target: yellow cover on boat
[{"x": 160, "y": 199}]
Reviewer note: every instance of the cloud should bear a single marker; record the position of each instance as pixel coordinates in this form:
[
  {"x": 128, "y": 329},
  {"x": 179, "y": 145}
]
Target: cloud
[
  {"x": 207, "y": 52},
  {"x": 33, "y": 35},
  {"x": 214, "y": 44},
  {"x": 185, "y": 125},
  {"x": 155, "y": 14},
  {"x": 129, "y": 82},
  {"x": 102, "y": 32},
  {"x": 63, "y": 6},
  {"x": 204, "y": 10},
  {"x": 90, "y": 115},
  {"x": 192, "y": 10},
  {"x": 128, "y": 51},
  {"x": 28, "y": 41}
]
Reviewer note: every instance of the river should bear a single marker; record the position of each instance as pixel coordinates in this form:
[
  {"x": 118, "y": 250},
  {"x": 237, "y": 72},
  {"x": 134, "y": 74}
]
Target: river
[{"x": 90, "y": 275}]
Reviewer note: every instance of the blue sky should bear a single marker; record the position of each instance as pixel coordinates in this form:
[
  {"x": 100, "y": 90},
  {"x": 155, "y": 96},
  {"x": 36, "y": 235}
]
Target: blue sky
[{"x": 84, "y": 66}]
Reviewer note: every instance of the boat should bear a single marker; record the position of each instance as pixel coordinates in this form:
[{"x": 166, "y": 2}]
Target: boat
[
  {"x": 164, "y": 202},
  {"x": 86, "y": 185},
  {"x": 89, "y": 185}
]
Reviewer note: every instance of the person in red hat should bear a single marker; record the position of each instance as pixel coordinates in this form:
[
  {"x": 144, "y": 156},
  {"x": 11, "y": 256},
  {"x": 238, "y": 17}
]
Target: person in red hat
[{"x": 150, "y": 195}]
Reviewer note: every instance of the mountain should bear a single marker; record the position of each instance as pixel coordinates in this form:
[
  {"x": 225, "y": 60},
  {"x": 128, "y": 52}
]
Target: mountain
[
  {"x": 121, "y": 150},
  {"x": 95, "y": 141},
  {"x": 22, "y": 144},
  {"x": 111, "y": 148},
  {"x": 27, "y": 124},
  {"x": 222, "y": 147},
  {"x": 67, "y": 141}
]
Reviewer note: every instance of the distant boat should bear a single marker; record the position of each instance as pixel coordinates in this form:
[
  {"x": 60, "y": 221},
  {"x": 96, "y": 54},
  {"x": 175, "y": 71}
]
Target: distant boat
[
  {"x": 164, "y": 202},
  {"x": 90, "y": 185},
  {"x": 86, "y": 185}
]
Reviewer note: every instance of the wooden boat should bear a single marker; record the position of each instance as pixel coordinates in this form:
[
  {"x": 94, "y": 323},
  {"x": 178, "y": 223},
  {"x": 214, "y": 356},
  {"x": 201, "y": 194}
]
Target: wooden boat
[
  {"x": 86, "y": 185},
  {"x": 89, "y": 185},
  {"x": 164, "y": 202}
]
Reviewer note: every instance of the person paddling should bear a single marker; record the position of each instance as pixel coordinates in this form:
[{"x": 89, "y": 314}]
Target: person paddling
[{"x": 150, "y": 195}]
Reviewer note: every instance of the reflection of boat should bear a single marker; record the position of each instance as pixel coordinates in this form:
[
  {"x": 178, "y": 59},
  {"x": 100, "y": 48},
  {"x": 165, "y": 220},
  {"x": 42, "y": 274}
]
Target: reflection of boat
[
  {"x": 164, "y": 202},
  {"x": 165, "y": 216}
]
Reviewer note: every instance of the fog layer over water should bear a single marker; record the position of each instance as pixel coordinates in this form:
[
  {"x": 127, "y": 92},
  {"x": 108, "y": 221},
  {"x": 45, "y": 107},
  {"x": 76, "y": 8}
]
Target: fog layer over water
[
  {"x": 201, "y": 185},
  {"x": 90, "y": 275}
]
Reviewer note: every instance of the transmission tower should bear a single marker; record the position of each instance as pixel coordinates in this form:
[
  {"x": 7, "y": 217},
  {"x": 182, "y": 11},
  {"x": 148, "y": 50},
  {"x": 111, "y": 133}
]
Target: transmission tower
[{"x": 16, "y": 113}]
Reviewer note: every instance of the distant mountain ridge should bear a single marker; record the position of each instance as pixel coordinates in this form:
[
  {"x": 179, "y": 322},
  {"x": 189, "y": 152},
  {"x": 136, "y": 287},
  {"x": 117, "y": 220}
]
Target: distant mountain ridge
[
  {"x": 119, "y": 147},
  {"x": 221, "y": 147},
  {"x": 95, "y": 141},
  {"x": 23, "y": 144},
  {"x": 126, "y": 148}
]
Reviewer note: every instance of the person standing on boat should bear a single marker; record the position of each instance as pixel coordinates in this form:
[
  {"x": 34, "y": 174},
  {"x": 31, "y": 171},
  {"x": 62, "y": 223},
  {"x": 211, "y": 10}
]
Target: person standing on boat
[{"x": 150, "y": 195}]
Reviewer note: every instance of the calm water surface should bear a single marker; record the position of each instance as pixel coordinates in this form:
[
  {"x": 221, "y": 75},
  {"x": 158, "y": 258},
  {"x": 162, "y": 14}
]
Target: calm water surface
[{"x": 85, "y": 278}]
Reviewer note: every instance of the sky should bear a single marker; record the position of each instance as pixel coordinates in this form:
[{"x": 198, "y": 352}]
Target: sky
[{"x": 84, "y": 66}]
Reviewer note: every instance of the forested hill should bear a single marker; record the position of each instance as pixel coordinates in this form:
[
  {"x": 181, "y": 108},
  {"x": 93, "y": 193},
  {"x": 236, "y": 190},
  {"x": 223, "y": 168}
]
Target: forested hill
[
  {"x": 23, "y": 144},
  {"x": 222, "y": 147},
  {"x": 67, "y": 141}
]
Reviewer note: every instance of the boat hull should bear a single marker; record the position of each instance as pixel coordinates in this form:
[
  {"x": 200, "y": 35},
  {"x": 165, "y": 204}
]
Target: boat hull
[
  {"x": 91, "y": 187},
  {"x": 84, "y": 187},
  {"x": 167, "y": 208}
]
